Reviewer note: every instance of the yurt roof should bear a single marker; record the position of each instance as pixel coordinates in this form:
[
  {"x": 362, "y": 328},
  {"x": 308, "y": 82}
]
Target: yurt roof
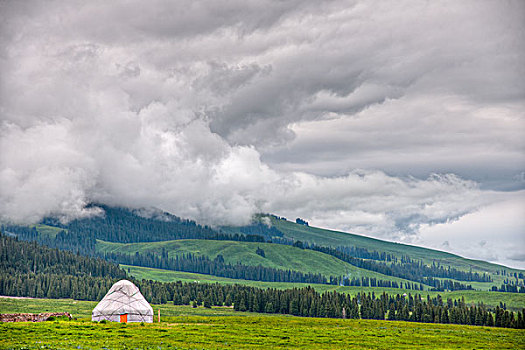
[{"x": 123, "y": 298}]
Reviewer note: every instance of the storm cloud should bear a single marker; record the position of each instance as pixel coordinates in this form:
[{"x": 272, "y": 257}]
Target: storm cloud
[{"x": 380, "y": 118}]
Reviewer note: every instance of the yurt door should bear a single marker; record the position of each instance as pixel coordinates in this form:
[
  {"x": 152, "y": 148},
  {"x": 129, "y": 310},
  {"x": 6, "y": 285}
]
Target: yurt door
[{"x": 124, "y": 318}]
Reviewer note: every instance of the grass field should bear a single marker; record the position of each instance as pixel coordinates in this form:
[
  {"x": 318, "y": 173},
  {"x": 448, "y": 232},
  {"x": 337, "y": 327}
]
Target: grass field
[
  {"x": 277, "y": 255},
  {"x": 183, "y": 327},
  {"x": 256, "y": 332},
  {"x": 513, "y": 301}
]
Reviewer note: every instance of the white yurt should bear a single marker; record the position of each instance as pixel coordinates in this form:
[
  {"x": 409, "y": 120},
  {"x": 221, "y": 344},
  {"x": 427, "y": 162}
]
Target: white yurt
[{"x": 123, "y": 303}]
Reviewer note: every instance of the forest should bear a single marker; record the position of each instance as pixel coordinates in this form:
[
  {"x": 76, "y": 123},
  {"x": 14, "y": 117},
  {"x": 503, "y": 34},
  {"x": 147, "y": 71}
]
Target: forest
[{"x": 28, "y": 269}]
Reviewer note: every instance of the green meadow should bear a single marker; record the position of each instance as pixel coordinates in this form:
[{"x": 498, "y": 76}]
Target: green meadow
[
  {"x": 183, "y": 327},
  {"x": 255, "y": 332}
]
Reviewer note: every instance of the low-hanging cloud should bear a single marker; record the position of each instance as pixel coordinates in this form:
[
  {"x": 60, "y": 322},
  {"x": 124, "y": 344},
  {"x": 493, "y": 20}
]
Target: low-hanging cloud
[
  {"x": 186, "y": 169},
  {"x": 216, "y": 111}
]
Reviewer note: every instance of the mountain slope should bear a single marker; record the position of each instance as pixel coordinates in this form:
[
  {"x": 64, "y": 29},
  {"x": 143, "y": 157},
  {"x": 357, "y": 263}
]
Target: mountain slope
[
  {"x": 335, "y": 238},
  {"x": 276, "y": 256},
  {"x": 122, "y": 225}
]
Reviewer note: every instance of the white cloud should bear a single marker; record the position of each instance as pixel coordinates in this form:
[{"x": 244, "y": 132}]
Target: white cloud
[{"x": 494, "y": 233}]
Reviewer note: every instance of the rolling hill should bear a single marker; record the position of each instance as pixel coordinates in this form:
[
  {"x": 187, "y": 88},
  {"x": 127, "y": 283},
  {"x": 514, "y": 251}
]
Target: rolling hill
[
  {"x": 125, "y": 230},
  {"x": 276, "y": 255},
  {"x": 336, "y": 238}
]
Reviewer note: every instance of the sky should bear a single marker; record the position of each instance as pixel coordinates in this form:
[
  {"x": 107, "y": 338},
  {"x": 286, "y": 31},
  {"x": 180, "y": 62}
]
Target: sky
[{"x": 401, "y": 120}]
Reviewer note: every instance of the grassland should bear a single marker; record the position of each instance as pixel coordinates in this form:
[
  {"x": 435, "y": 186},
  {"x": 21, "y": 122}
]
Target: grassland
[
  {"x": 513, "y": 301},
  {"x": 276, "y": 255},
  {"x": 198, "y": 332},
  {"x": 183, "y": 327},
  {"x": 336, "y": 238}
]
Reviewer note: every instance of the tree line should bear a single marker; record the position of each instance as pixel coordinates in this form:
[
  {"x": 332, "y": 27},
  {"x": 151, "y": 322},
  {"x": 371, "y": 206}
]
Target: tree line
[
  {"x": 54, "y": 286},
  {"x": 374, "y": 282},
  {"x": 364, "y": 253},
  {"x": 509, "y": 288},
  {"x": 309, "y": 303},
  {"x": 63, "y": 240},
  {"x": 217, "y": 267}
]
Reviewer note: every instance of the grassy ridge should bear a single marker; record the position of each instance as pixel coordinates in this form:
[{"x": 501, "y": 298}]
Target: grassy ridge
[
  {"x": 336, "y": 238},
  {"x": 513, "y": 301},
  {"x": 276, "y": 255}
]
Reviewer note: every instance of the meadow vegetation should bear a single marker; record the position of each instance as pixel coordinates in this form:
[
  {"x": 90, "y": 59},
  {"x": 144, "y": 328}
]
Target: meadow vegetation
[{"x": 184, "y": 327}]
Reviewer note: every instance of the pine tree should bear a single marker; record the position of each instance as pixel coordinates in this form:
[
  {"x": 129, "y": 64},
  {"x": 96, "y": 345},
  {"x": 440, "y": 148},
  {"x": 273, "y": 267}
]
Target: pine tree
[
  {"x": 392, "y": 312},
  {"x": 207, "y": 303}
]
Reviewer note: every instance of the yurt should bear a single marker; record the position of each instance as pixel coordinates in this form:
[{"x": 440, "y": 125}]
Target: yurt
[{"x": 123, "y": 303}]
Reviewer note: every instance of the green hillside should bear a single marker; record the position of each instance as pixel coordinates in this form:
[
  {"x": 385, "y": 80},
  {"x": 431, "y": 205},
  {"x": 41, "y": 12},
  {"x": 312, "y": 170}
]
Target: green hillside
[
  {"x": 125, "y": 225},
  {"x": 336, "y": 238},
  {"x": 276, "y": 255},
  {"x": 124, "y": 220}
]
